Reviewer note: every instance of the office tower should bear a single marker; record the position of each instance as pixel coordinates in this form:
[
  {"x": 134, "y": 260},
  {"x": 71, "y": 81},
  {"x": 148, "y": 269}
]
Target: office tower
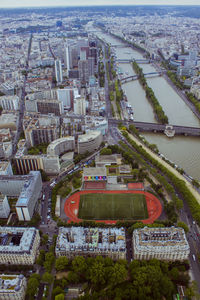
[{"x": 58, "y": 71}]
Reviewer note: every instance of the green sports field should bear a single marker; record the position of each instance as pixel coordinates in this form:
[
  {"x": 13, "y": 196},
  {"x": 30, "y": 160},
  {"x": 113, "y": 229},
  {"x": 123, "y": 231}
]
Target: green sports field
[{"x": 112, "y": 207}]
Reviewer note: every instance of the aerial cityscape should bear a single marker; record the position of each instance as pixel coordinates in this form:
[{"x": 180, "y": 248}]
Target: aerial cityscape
[{"x": 100, "y": 150}]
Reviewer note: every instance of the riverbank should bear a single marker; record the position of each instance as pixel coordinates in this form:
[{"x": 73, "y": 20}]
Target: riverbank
[{"x": 170, "y": 168}]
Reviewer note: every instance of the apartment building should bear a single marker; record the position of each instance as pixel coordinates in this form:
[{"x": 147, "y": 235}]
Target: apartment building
[
  {"x": 161, "y": 243},
  {"x": 107, "y": 242},
  {"x": 19, "y": 245},
  {"x": 89, "y": 141}
]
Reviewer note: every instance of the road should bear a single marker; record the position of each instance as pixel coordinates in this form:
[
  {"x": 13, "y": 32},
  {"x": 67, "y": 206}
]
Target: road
[{"x": 21, "y": 102}]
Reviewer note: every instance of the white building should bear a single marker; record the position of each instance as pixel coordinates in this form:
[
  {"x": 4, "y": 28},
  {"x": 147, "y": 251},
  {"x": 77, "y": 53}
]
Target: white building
[
  {"x": 66, "y": 96},
  {"x": 29, "y": 196},
  {"x": 19, "y": 245},
  {"x": 58, "y": 71},
  {"x": 89, "y": 141},
  {"x": 9, "y": 102},
  {"x": 5, "y": 168},
  {"x": 61, "y": 145},
  {"x": 107, "y": 242},
  {"x": 12, "y": 287},
  {"x": 79, "y": 105},
  {"x": 4, "y": 207},
  {"x": 168, "y": 243}
]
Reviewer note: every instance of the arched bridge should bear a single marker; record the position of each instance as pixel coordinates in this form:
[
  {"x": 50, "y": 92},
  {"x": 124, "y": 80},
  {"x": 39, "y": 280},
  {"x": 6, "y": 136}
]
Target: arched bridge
[
  {"x": 135, "y": 77},
  {"x": 154, "y": 127},
  {"x": 130, "y": 60}
]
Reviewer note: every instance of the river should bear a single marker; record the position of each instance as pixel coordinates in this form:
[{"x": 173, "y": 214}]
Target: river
[{"x": 183, "y": 151}]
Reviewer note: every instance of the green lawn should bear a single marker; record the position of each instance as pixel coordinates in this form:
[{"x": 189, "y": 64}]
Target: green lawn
[{"x": 113, "y": 207}]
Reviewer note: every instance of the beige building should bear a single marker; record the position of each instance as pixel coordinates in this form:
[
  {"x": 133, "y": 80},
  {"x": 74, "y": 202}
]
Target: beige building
[
  {"x": 40, "y": 130},
  {"x": 4, "y": 206},
  {"x": 19, "y": 245},
  {"x": 27, "y": 163},
  {"x": 12, "y": 287},
  {"x": 107, "y": 242},
  {"x": 168, "y": 243},
  {"x": 61, "y": 146},
  {"x": 90, "y": 141}
]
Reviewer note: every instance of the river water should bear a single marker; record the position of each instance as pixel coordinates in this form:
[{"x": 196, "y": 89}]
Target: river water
[{"x": 183, "y": 151}]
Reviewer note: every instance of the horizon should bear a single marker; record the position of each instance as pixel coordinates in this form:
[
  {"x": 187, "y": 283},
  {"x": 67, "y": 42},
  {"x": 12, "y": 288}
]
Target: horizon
[{"x": 11, "y": 4}]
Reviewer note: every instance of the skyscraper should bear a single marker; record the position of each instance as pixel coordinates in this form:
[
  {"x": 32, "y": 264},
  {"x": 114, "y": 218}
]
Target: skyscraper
[{"x": 58, "y": 71}]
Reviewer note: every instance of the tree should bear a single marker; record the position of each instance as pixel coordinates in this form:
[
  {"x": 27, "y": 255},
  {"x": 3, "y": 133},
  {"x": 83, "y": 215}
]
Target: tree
[
  {"x": 49, "y": 260},
  {"x": 105, "y": 151},
  {"x": 45, "y": 238},
  {"x": 61, "y": 263},
  {"x": 117, "y": 274},
  {"x": 47, "y": 277},
  {"x": 183, "y": 225},
  {"x": 57, "y": 290},
  {"x": 97, "y": 273},
  {"x": 79, "y": 265},
  {"x": 32, "y": 286},
  {"x": 60, "y": 297},
  {"x": 41, "y": 258}
]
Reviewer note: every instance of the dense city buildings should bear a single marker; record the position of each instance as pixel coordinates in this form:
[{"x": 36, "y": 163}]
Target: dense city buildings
[
  {"x": 91, "y": 242},
  {"x": 162, "y": 243},
  {"x": 19, "y": 245}
]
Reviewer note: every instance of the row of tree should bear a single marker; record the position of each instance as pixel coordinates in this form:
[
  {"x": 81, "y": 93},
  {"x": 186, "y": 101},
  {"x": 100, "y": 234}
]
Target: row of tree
[
  {"x": 177, "y": 183},
  {"x": 173, "y": 77},
  {"x": 101, "y": 73},
  {"x": 158, "y": 111},
  {"x": 194, "y": 101}
]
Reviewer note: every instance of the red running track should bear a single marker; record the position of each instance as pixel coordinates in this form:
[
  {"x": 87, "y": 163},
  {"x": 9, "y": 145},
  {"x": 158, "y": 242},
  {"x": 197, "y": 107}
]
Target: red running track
[{"x": 154, "y": 206}]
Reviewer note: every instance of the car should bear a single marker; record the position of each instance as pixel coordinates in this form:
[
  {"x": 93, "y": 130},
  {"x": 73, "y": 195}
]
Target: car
[
  {"x": 42, "y": 222},
  {"x": 48, "y": 217}
]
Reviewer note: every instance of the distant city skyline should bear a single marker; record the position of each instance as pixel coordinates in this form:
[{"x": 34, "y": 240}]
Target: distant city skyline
[{"x": 39, "y": 3}]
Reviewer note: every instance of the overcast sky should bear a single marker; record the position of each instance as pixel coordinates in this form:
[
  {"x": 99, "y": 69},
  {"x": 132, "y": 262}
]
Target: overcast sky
[{"x": 31, "y": 3}]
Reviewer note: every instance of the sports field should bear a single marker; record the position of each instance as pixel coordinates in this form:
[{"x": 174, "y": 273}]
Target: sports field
[{"x": 101, "y": 206}]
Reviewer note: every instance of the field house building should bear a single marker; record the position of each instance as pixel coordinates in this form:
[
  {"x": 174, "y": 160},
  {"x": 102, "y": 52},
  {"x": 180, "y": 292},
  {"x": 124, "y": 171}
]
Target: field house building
[
  {"x": 107, "y": 242},
  {"x": 12, "y": 287},
  {"x": 18, "y": 245},
  {"x": 161, "y": 243}
]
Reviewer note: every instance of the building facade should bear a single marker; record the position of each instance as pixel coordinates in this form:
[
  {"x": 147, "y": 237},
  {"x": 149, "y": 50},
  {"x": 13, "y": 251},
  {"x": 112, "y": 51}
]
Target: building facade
[
  {"x": 90, "y": 141},
  {"x": 58, "y": 71},
  {"x": 4, "y": 207},
  {"x": 107, "y": 242},
  {"x": 61, "y": 145},
  {"x": 161, "y": 243},
  {"x": 19, "y": 245},
  {"x": 9, "y": 102},
  {"x": 29, "y": 196}
]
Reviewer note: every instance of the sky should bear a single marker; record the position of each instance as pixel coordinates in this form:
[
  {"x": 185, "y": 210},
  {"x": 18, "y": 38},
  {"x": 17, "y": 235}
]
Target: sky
[{"x": 38, "y": 3}]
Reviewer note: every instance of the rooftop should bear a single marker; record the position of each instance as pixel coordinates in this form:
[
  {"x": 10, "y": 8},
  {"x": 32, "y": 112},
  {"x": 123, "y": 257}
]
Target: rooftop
[
  {"x": 160, "y": 237},
  {"x": 91, "y": 239},
  {"x": 11, "y": 283},
  {"x": 89, "y": 136},
  {"x": 94, "y": 171},
  {"x": 17, "y": 240},
  {"x": 28, "y": 189},
  {"x": 4, "y": 165}
]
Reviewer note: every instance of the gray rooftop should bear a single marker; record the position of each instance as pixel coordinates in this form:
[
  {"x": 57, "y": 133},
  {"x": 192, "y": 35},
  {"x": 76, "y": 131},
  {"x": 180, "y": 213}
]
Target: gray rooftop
[{"x": 91, "y": 239}]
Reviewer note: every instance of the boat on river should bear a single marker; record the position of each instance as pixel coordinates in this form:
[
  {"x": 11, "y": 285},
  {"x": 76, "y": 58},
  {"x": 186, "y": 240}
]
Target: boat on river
[{"x": 169, "y": 131}]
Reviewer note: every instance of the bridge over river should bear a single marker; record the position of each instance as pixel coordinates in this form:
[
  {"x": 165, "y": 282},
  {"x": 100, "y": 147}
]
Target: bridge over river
[
  {"x": 135, "y": 77},
  {"x": 154, "y": 127}
]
